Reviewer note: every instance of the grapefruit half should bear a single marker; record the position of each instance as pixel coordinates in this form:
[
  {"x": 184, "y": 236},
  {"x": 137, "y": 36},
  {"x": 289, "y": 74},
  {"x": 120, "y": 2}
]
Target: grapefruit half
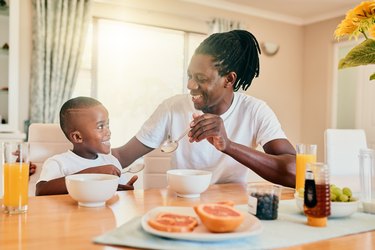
[
  {"x": 219, "y": 218},
  {"x": 172, "y": 222}
]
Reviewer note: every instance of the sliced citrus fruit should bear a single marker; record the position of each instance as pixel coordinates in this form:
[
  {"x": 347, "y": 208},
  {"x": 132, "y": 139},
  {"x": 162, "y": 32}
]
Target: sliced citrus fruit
[
  {"x": 172, "y": 222},
  {"x": 219, "y": 218},
  {"x": 226, "y": 202}
]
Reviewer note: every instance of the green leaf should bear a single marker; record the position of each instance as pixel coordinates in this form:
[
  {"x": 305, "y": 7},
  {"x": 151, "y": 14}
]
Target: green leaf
[
  {"x": 372, "y": 77},
  {"x": 362, "y": 54}
]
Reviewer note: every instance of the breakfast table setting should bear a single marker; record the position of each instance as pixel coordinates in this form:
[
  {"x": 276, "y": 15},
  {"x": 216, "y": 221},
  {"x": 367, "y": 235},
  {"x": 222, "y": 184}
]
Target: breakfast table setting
[{"x": 58, "y": 222}]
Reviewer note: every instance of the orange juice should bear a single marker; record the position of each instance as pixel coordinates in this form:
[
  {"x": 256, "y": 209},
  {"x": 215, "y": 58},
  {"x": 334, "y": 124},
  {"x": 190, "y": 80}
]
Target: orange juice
[
  {"x": 301, "y": 161},
  {"x": 16, "y": 180}
]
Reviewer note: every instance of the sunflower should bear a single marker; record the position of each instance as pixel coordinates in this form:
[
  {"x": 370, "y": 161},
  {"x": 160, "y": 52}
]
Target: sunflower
[{"x": 359, "y": 21}]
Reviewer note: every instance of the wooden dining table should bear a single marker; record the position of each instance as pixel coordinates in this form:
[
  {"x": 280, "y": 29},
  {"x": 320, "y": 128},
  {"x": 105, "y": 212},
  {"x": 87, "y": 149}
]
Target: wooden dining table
[{"x": 57, "y": 222}]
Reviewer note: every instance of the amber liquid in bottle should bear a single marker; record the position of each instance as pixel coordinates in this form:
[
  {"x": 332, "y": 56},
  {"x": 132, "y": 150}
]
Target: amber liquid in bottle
[
  {"x": 317, "y": 203},
  {"x": 323, "y": 204}
]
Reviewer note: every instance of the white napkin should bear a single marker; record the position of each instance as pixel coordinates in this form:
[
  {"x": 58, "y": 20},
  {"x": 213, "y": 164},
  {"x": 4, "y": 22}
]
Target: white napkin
[{"x": 288, "y": 230}]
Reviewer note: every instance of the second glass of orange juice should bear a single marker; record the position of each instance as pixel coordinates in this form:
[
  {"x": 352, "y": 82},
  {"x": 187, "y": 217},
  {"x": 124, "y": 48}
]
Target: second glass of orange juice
[{"x": 306, "y": 153}]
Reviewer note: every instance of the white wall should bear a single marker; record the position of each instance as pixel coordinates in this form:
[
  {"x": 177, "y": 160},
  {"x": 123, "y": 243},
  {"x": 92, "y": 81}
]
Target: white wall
[{"x": 296, "y": 83}]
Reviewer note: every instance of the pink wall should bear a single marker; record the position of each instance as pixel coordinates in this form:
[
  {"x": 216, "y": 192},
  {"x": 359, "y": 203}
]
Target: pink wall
[{"x": 295, "y": 82}]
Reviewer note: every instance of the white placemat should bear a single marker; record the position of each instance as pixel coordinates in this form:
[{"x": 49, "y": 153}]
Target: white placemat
[{"x": 288, "y": 230}]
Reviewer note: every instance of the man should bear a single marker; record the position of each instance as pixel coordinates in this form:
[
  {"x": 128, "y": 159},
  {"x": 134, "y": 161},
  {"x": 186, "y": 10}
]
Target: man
[{"x": 223, "y": 137}]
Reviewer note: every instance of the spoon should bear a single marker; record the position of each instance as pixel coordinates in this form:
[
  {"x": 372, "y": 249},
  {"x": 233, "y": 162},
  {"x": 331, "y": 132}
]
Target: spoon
[
  {"x": 171, "y": 145},
  {"x": 133, "y": 169}
]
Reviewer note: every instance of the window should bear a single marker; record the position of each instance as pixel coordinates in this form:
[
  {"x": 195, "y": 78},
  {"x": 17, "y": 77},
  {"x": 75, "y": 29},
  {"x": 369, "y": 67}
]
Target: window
[{"x": 131, "y": 68}]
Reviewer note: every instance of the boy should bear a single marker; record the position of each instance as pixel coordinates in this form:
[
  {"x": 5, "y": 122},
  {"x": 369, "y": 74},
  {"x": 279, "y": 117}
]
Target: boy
[{"x": 85, "y": 123}]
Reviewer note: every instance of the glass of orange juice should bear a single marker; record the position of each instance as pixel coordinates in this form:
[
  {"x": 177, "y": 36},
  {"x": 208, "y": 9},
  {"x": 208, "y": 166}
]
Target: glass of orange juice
[
  {"x": 306, "y": 153},
  {"x": 16, "y": 176}
]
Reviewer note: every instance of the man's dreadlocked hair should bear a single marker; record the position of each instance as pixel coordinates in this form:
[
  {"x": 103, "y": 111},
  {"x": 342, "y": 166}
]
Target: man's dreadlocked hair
[{"x": 237, "y": 51}]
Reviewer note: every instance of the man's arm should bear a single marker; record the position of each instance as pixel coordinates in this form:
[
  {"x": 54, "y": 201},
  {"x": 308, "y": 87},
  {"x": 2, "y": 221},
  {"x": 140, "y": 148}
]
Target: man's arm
[
  {"x": 130, "y": 152},
  {"x": 277, "y": 164}
]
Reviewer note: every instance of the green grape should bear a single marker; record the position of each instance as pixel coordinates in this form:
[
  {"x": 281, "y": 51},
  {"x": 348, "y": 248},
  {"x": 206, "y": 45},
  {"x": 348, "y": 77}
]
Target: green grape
[
  {"x": 341, "y": 195},
  {"x": 343, "y": 198},
  {"x": 301, "y": 192},
  {"x": 337, "y": 191},
  {"x": 333, "y": 197},
  {"x": 347, "y": 191}
]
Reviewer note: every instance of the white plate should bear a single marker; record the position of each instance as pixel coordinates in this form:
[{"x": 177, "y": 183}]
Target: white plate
[{"x": 250, "y": 226}]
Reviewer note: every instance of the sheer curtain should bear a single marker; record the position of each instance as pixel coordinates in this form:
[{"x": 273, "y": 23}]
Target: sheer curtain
[
  {"x": 59, "y": 28},
  {"x": 223, "y": 25}
]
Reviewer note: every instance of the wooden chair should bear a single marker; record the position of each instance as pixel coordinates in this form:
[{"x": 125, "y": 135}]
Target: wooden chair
[
  {"x": 341, "y": 148},
  {"x": 46, "y": 140}
]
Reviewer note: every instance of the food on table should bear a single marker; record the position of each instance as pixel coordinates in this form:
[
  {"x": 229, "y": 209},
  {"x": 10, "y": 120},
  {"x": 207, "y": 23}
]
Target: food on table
[
  {"x": 301, "y": 192},
  {"x": 267, "y": 205},
  {"x": 337, "y": 194},
  {"x": 341, "y": 195},
  {"x": 219, "y": 218},
  {"x": 172, "y": 222},
  {"x": 228, "y": 202}
]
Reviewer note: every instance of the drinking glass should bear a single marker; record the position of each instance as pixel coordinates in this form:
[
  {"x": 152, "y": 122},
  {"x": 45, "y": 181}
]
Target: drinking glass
[
  {"x": 367, "y": 179},
  {"x": 16, "y": 176},
  {"x": 306, "y": 153}
]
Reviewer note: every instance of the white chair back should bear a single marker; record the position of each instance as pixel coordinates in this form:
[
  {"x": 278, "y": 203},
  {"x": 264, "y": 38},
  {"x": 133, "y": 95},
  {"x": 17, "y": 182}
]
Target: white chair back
[
  {"x": 341, "y": 154},
  {"x": 46, "y": 140},
  {"x": 156, "y": 165}
]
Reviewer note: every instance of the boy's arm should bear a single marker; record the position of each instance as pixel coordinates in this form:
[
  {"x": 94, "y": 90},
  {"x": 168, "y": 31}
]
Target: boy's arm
[
  {"x": 129, "y": 185},
  {"x": 57, "y": 186}
]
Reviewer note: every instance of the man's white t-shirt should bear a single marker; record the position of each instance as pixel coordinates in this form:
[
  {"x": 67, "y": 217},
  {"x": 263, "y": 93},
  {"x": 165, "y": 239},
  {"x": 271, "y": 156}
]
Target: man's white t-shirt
[
  {"x": 68, "y": 163},
  {"x": 248, "y": 121}
]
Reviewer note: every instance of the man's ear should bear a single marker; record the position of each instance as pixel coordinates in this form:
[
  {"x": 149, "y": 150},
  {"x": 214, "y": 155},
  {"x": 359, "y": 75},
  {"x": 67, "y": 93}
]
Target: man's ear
[
  {"x": 76, "y": 137},
  {"x": 230, "y": 79}
]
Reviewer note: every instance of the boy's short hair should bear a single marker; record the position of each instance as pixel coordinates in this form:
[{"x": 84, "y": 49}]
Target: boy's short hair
[{"x": 75, "y": 103}]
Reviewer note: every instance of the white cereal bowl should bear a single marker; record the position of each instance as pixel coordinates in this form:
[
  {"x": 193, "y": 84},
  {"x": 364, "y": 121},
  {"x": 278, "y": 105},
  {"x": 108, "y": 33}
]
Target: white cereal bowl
[
  {"x": 338, "y": 209},
  {"x": 188, "y": 183},
  {"x": 91, "y": 190}
]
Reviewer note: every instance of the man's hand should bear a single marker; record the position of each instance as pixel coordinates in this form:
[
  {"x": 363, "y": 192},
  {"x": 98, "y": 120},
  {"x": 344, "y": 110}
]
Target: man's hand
[
  {"x": 210, "y": 127},
  {"x": 129, "y": 185}
]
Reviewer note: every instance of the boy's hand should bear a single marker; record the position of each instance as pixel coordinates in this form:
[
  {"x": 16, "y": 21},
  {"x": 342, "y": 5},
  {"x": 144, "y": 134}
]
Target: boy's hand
[
  {"x": 129, "y": 185},
  {"x": 32, "y": 168}
]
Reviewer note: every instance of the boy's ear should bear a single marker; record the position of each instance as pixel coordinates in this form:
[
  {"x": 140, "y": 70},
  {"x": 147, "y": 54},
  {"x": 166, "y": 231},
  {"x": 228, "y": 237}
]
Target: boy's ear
[
  {"x": 230, "y": 79},
  {"x": 76, "y": 137}
]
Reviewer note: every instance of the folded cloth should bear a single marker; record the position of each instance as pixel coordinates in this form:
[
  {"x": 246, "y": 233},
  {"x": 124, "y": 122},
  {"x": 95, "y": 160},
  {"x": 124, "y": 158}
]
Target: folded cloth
[{"x": 289, "y": 229}]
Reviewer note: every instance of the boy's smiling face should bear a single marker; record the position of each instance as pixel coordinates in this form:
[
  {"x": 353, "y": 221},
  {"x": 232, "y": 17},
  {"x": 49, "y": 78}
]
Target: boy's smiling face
[{"x": 91, "y": 134}]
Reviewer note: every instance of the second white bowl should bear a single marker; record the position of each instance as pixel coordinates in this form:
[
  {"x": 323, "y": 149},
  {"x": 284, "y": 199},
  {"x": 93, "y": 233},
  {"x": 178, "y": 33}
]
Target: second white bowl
[{"x": 188, "y": 183}]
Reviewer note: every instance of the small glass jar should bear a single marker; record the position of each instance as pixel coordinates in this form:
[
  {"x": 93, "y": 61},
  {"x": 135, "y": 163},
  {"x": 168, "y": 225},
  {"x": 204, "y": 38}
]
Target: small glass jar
[{"x": 263, "y": 200}]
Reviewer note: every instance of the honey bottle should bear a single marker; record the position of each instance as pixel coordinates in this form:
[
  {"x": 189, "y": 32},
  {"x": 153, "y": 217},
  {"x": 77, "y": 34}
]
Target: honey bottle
[{"x": 317, "y": 203}]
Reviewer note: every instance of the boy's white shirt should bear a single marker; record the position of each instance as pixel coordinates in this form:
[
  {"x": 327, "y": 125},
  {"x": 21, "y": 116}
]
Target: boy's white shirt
[{"x": 68, "y": 163}]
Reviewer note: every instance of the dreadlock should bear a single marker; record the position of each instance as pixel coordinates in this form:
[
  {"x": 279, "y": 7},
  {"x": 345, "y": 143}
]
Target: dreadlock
[
  {"x": 75, "y": 103},
  {"x": 237, "y": 51}
]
